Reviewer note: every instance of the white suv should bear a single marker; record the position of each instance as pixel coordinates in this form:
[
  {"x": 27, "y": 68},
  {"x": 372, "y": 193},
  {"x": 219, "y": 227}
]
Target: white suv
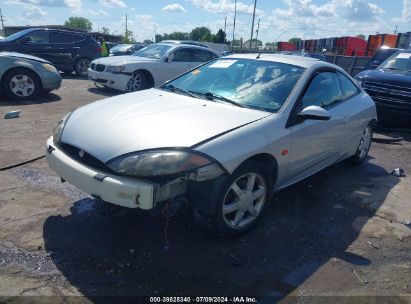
[{"x": 148, "y": 67}]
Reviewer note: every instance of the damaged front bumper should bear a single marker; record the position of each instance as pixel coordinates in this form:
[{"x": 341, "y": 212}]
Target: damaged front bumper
[{"x": 123, "y": 190}]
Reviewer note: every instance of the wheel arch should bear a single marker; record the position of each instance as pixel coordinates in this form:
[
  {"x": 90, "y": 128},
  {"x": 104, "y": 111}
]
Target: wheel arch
[{"x": 268, "y": 161}]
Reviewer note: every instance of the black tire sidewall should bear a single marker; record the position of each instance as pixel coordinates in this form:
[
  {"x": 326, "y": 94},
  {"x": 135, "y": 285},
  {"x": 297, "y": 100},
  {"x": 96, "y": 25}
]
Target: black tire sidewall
[
  {"x": 76, "y": 67},
  {"x": 21, "y": 71},
  {"x": 219, "y": 225}
]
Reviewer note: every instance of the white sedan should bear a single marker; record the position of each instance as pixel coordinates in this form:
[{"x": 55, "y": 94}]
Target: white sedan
[{"x": 148, "y": 67}]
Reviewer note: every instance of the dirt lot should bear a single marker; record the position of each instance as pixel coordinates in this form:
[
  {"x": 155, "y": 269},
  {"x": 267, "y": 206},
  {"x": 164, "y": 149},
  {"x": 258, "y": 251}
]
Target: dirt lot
[{"x": 343, "y": 232}]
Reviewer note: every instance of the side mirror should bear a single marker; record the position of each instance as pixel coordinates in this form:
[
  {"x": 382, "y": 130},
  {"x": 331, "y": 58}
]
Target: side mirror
[
  {"x": 314, "y": 113},
  {"x": 24, "y": 39},
  {"x": 374, "y": 64}
]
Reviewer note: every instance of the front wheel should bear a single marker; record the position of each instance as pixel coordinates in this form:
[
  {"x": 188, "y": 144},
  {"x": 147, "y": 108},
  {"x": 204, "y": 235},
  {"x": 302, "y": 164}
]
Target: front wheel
[
  {"x": 243, "y": 199},
  {"x": 137, "y": 82},
  {"x": 364, "y": 146},
  {"x": 21, "y": 84},
  {"x": 81, "y": 66}
]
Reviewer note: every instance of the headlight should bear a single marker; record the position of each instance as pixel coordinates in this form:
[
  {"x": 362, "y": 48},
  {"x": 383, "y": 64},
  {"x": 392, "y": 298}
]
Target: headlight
[
  {"x": 157, "y": 163},
  {"x": 49, "y": 68},
  {"x": 58, "y": 129},
  {"x": 115, "y": 69}
]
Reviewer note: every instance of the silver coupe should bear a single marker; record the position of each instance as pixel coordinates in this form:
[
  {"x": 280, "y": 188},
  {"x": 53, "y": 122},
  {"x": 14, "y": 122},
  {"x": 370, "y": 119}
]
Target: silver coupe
[{"x": 224, "y": 136}]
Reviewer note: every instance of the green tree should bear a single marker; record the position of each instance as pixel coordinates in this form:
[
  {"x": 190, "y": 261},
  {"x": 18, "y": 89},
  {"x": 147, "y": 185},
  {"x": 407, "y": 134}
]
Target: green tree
[
  {"x": 105, "y": 30},
  {"x": 128, "y": 37},
  {"x": 200, "y": 34},
  {"x": 147, "y": 41},
  {"x": 295, "y": 41},
  {"x": 362, "y": 36},
  {"x": 79, "y": 23},
  {"x": 220, "y": 37}
]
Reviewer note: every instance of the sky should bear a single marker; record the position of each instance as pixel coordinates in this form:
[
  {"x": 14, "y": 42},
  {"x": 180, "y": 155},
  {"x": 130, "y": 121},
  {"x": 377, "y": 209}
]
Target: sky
[{"x": 280, "y": 20}]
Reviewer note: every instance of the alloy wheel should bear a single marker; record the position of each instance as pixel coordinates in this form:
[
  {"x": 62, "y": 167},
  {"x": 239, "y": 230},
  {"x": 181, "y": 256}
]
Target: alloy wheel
[
  {"x": 22, "y": 85},
  {"x": 135, "y": 83},
  {"x": 244, "y": 200},
  {"x": 365, "y": 142}
]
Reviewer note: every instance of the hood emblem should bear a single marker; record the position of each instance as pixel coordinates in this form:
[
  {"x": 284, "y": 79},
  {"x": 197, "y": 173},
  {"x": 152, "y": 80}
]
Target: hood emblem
[{"x": 81, "y": 153}]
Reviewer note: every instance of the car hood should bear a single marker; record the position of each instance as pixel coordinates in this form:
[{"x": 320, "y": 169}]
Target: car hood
[
  {"x": 23, "y": 56},
  {"x": 150, "y": 119},
  {"x": 119, "y": 60},
  {"x": 393, "y": 77}
]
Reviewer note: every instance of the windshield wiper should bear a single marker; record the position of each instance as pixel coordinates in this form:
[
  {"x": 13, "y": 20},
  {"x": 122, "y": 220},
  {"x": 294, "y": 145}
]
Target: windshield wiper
[
  {"x": 176, "y": 89},
  {"x": 212, "y": 96}
]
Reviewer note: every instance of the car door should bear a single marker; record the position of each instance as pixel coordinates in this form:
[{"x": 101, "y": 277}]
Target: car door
[
  {"x": 64, "y": 48},
  {"x": 181, "y": 61},
  {"x": 35, "y": 43},
  {"x": 318, "y": 143}
]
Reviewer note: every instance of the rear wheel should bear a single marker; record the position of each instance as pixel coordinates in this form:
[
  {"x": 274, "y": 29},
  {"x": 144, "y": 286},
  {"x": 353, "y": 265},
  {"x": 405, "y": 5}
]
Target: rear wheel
[
  {"x": 243, "y": 199},
  {"x": 21, "y": 84},
  {"x": 364, "y": 146},
  {"x": 81, "y": 66}
]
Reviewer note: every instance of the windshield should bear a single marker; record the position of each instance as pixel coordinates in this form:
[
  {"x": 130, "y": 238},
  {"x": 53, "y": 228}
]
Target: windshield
[
  {"x": 154, "y": 51},
  {"x": 398, "y": 61},
  {"x": 121, "y": 48},
  {"x": 257, "y": 84},
  {"x": 17, "y": 35}
]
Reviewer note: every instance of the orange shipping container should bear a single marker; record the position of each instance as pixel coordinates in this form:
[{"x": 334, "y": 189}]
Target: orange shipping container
[{"x": 389, "y": 40}]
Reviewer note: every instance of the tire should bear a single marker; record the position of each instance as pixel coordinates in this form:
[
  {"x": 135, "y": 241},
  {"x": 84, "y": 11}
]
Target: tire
[
  {"x": 364, "y": 146},
  {"x": 81, "y": 66},
  {"x": 238, "y": 217},
  {"x": 137, "y": 82},
  {"x": 21, "y": 84}
]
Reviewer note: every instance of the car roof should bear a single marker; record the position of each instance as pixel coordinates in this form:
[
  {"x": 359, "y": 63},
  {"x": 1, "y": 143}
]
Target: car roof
[
  {"x": 56, "y": 30},
  {"x": 301, "y": 61},
  {"x": 190, "y": 42}
]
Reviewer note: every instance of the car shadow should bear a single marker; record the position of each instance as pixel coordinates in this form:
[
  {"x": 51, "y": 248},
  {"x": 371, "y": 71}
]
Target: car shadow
[
  {"x": 42, "y": 98},
  {"x": 104, "y": 91},
  {"x": 105, "y": 250}
]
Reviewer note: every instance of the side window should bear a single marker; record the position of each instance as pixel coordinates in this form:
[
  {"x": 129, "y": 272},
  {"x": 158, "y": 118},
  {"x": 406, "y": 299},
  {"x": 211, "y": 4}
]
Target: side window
[
  {"x": 201, "y": 56},
  {"x": 323, "y": 91},
  {"x": 37, "y": 37},
  {"x": 182, "y": 55},
  {"x": 348, "y": 88},
  {"x": 56, "y": 37}
]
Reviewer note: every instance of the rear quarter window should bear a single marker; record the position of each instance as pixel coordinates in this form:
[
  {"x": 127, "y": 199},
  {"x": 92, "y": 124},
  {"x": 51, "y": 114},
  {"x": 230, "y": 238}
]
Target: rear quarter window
[{"x": 57, "y": 37}]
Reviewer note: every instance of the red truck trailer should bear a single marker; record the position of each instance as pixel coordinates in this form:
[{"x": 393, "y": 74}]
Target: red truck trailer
[
  {"x": 286, "y": 46},
  {"x": 351, "y": 46}
]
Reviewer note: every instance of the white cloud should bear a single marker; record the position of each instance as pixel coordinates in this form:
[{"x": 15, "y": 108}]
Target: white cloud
[
  {"x": 113, "y": 3},
  {"x": 225, "y": 7},
  {"x": 100, "y": 12},
  {"x": 75, "y": 5},
  {"x": 406, "y": 12},
  {"x": 177, "y": 8},
  {"x": 33, "y": 13}
]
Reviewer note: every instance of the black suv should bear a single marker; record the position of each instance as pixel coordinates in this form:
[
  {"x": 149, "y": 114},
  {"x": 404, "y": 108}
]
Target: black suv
[
  {"x": 68, "y": 50},
  {"x": 390, "y": 87}
]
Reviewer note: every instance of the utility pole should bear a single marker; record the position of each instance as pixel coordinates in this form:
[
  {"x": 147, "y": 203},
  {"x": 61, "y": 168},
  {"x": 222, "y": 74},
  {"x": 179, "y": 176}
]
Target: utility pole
[
  {"x": 235, "y": 15},
  {"x": 155, "y": 35},
  {"x": 252, "y": 25},
  {"x": 256, "y": 34},
  {"x": 126, "y": 25},
  {"x": 395, "y": 32},
  {"x": 2, "y": 24},
  {"x": 225, "y": 24}
]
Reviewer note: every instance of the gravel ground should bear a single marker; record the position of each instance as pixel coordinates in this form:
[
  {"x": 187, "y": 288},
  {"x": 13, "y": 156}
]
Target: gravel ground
[{"x": 343, "y": 235}]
